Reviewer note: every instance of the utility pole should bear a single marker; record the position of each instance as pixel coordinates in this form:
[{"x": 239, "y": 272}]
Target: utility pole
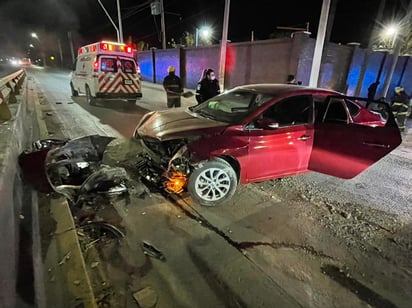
[
  {"x": 69, "y": 36},
  {"x": 111, "y": 20},
  {"x": 223, "y": 46},
  {"x": 162, "y": 22},
  {"x": 59, "y": 43},
  {"x": 320, "y": 40},
  {"x": 119, "y": 17}
]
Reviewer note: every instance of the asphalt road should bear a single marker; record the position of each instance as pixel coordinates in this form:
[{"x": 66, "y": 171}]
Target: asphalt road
[{"x": 310, "y": 240}]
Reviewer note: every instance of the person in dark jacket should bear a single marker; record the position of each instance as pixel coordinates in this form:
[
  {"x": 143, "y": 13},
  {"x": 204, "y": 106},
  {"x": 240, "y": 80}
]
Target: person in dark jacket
[
  {"x": 400, "y": 105},
  {"x": 372, "y": 90},
  {"x": 173, "y": 87},
  {"x": 207, "y": 87}
]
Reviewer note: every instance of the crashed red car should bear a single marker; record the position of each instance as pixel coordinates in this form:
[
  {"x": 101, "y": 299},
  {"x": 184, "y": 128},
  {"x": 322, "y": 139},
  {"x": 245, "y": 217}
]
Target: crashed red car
[{"x": 259, "y": 132}]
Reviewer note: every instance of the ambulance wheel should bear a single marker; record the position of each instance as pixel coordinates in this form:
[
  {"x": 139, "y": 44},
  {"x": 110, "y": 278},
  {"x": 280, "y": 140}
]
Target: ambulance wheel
[
  {"x": 74, "y": 92},
  {"x": 89, "y": 98}
]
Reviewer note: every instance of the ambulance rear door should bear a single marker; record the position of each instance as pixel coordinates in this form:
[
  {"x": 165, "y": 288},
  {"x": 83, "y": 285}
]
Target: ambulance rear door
[{"x": 118, "y": 75}]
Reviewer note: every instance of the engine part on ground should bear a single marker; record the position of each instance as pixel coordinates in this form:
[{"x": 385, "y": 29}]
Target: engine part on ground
[
  {"x": 54, "y": 162},
  {"x": 48, "y": 143}
]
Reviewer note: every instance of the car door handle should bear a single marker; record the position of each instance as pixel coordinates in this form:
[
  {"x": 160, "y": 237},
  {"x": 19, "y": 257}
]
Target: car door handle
[
  {"x": 304, "y": 137},
  {"x": 376, "y": 145}
]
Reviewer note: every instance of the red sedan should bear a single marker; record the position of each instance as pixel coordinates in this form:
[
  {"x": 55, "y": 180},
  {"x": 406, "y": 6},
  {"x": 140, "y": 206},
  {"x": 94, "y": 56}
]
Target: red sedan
[{"x": 259, "y": 132}]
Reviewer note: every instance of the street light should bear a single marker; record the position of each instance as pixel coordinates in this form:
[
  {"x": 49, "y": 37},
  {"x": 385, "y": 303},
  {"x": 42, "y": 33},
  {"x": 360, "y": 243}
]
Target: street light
[
  {"x": 204, "y": 33},
  {"x": 389, "y": 34},
  {"x": 119, "y": 31},
  {"x": 34, "y": 35}
]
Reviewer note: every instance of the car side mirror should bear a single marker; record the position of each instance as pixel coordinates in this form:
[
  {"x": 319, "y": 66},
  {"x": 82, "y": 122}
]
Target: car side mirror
[{"x": 266, "y": 123}]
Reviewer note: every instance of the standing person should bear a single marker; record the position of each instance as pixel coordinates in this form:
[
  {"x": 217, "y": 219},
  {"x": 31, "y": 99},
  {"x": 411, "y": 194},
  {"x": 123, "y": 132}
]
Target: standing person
[
  {"x": 197, "y": 96},
  {"x": 372, "y": 90},
  {"x": 400, "y": 105},
  {"x": 208, "y": 86},
  {"x": 173, "y": 87}
]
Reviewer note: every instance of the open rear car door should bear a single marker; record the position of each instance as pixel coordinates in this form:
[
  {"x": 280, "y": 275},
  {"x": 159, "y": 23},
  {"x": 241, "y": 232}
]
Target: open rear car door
[{"x": 347, "y": 141}]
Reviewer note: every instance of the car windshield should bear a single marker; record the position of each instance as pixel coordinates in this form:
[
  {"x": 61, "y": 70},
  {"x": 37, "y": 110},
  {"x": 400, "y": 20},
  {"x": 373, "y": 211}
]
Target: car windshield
[{"x": 232, "y": 106}]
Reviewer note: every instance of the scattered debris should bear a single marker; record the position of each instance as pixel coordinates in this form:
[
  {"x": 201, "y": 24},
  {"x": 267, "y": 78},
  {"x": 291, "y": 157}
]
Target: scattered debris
[
  {"x": 65, "y": 258},
  {"x": 49, "y": 113},
  {"x": 146, "y": 297},
  {"x": 152, "y": 251},
  {"x": 98, "y": 229},
  {"x": 58, "y": 103}
]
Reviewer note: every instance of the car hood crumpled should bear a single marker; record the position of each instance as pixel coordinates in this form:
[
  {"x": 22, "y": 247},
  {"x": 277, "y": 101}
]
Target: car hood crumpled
[{"x": 176, "y": 123}]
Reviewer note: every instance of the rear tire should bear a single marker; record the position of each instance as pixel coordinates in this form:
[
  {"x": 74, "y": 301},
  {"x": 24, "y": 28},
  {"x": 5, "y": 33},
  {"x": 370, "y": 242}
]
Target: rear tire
[
  {"x": 74, "y": 92},
  {"x": 89, "y": 98},
  {"x": 213, "y": 184}
]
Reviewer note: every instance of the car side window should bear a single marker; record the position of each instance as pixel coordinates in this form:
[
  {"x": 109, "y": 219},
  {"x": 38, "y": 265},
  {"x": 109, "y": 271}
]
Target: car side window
[
  {"x": 291, "y": 111},
  {"x": 354, "y": 110},
  {"x": 336, "y": 112}
]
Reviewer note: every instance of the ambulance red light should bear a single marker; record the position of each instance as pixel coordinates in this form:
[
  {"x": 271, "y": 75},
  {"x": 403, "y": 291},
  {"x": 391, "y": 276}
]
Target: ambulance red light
[
  {"x": 129, "y": 49},
  {"x": 80, "y": 51},
  {"x": 96, "y": 66},
  {"x": 104, "y": 46}
]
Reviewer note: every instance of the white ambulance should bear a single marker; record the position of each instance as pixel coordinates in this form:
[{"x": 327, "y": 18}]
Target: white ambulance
[{"x": 106, "y": 70}]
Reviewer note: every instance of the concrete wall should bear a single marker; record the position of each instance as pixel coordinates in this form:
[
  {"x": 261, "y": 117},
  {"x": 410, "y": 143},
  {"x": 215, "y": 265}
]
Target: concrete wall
[
  {"x": 273, "y": 60},
  {"x": 259, "y": 62},
  {"x": 15, "y": 136},
  {"x": 336, "y": 61}
]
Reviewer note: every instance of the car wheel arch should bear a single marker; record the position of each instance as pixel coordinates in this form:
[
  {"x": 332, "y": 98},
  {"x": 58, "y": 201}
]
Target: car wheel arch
[
  {"x": 75, "y": 92},
  {"x": 234, "y": 163}
]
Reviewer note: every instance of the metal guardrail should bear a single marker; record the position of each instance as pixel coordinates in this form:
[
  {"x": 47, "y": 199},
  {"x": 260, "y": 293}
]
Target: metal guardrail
[{"x": 9, "y": 88}]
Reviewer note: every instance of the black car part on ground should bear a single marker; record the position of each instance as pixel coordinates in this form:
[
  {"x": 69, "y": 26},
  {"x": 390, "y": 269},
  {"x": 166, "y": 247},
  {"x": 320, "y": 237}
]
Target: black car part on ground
[{"x": 72, "y": 167}]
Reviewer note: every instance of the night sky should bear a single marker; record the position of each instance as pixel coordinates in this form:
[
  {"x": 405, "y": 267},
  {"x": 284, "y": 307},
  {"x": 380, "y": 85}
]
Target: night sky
[{"x": 87, "y": 22}]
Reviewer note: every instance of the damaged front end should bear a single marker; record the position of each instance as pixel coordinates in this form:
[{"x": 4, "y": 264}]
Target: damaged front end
[
  {"x": 72, "y": 168},
  {"x": 165, "y": 165}
]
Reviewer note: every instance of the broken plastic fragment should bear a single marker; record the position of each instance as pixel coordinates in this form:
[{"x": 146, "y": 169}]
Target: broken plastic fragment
[{"x": 152, "y": 251}]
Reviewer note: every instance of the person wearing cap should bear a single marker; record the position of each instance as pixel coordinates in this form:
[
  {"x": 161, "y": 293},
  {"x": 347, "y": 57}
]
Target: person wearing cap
[
  {"x": 400, "y": 105},
  {"x": 173, "y": 87},
  {"x": 207, "y": 87}
]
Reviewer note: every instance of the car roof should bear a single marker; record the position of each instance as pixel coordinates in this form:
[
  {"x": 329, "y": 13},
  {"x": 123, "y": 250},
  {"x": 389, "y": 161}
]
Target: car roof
[{"x": 279, "y": 88}]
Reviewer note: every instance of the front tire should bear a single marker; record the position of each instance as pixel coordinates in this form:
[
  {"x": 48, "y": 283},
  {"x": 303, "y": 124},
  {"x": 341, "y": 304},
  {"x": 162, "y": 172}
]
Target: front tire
[
  {"x": 89, "y": 98},
  {"x": 213, "y": 184}
]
